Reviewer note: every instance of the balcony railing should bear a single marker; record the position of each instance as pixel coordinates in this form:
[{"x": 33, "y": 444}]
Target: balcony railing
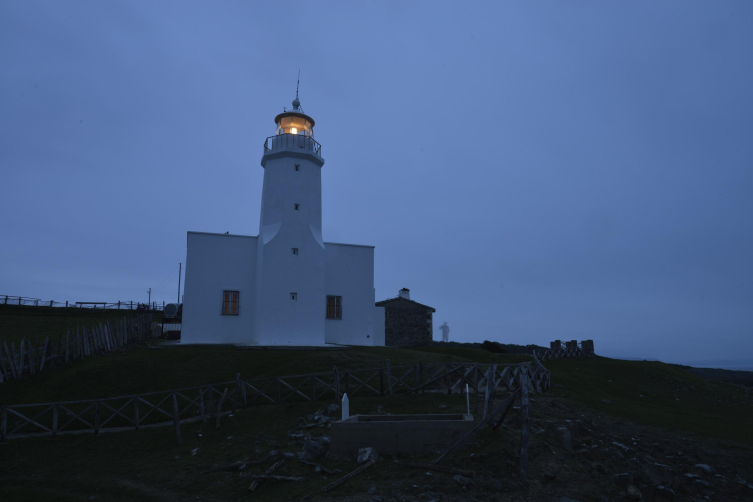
[{"x": 292, "y": 141}]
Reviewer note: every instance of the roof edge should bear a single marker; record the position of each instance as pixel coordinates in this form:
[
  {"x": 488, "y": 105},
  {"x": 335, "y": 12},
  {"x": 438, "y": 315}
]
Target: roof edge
[{"x": 388, "y": 300}]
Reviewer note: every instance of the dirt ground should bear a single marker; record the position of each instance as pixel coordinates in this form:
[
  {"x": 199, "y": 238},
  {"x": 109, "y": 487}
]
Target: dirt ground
[{"x": 579, "y": 456}]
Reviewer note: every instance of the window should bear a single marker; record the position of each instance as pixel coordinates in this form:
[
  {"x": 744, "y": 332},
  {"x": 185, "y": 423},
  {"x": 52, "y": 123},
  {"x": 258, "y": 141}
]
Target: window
[
  {"x": 297, "y": 206},
  {"x": 294, "y": 297},
  {"x": 230, "y": 302},
  {"x": 334, "y": 307},
  {"x": 295, "y": 251},
  {"x": 297, "y": 167}
]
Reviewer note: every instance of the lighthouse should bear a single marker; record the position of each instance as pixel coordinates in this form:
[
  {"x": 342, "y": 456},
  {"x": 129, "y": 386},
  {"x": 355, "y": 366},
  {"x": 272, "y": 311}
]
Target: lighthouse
[
  {"x": 285, "y": 286},
  {"x": 290, "y": 256}
]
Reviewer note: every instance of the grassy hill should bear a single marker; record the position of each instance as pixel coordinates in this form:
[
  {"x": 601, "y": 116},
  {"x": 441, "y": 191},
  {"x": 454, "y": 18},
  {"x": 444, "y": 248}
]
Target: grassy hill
[
  {"x": 150, "y": 465},
  {"x": 22, "y": 321},
  {"x": 656, "y": 393},
  {"x": 146, "y": 368}
]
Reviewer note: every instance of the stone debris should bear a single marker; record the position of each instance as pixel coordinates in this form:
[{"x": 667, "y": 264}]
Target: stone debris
[
  {"x": 665, "y": 492},
  {"x": 312, "y": 450},
  {"x": 633, "y": 493},
  {"x": 366, "y": 454},
  {"x": 705, "y": 468},
  {"x": 622, "y": 480},
  {"x": 461, "y": 480}
]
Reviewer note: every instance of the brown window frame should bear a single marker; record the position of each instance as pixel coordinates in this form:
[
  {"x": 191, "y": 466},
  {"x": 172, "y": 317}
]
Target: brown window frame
[
  {"x": 334, "y": 307},
  {"x": 231, "y": 302}
]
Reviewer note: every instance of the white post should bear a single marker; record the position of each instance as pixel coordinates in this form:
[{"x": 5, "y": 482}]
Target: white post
[
  {"x": 345, "y": 407},
  {"x": 467, "y": 399}
]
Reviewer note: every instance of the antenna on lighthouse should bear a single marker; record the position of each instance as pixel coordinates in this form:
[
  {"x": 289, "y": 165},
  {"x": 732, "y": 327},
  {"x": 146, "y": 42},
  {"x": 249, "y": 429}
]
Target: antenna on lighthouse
[{"x": 296, "y": 101}]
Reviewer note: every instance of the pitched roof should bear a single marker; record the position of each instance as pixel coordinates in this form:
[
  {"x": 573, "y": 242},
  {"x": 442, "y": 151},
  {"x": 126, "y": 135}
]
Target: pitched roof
[{"x": 390, "y": 300}]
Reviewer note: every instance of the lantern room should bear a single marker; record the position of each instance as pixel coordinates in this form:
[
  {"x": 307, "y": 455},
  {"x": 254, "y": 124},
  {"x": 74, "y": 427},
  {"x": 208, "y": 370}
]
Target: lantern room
[{"x": 295, "y": 121}]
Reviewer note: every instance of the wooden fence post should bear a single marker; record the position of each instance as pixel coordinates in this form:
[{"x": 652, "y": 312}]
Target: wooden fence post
[
  {"x": 44, "y": 353},
  {"x": 30, "y": 356},
  {"x": 488, "y": 393},
  {"x": 313, "y": 388},
  {"x": 523, "y": 423},
  {"x": 55, "y": 413},
  {"x": 421, "y": 374},
  {"x": 448, "y": 367},
  {"x": 4, "y": 425},
  {"x": 176, "y": 418},
  {"x": 96, "y": 417},
  {"x": 389, "y": 377},
  {"x": 211, "y": 399},
  {"x": 337, "y": 384},
  {"x": 237, "y": 391},
  {"x": 136, "y": 412},
  {"x": 381, "y": 381},
  {"x": 243, "y": 393},
  {"x": 277, "y": 381},
  {"x": 22, "y": 358},
  {"x": 475, "y": 388},
  {"x": 201, "y": 405},
  {"x": 415, "y": 375}
]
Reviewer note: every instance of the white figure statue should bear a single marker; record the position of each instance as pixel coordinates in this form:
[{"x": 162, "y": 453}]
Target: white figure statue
[{"x": 445, "y": 332}]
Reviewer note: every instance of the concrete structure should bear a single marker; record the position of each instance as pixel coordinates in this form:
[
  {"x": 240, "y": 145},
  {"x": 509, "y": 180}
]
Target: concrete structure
[
  {"x": 285, "y": 286},
  {"x": 407, "y": 323},
  {"x": 398, "y": 434}
]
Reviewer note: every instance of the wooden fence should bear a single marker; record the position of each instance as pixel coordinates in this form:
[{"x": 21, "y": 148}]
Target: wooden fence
[
  {"x": 178, "y": 406},
  {"x": 119, "y": 305},
  {"x": 36, "y": 355},
  {"x": 567, "y": 349}
]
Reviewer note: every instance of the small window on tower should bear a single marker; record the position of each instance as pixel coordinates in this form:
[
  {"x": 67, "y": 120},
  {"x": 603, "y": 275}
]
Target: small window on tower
[
  {"x": 297, "y": 206},
  {"x": 334, "y": 307},
  {"x": 294, "y": 297},
  {"x": 297, "y": 167},
  {"x": 295, "y": 251},
  {"x": 230, "y": 302}
]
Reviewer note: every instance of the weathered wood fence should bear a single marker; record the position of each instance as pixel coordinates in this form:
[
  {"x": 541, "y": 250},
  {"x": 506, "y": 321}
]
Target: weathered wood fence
[
  {"x": 119, "y": 305},
  {"x": 178, "y": 406},
  {"x": 567, "y": 349},
  {"x": 36, "y": 355}
]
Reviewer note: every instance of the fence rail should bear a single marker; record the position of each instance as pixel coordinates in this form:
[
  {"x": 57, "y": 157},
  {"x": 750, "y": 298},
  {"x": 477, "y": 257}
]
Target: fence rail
[
  {"x": 177, "y": 406},
  {"x": 564, "y": 350},
  {"x": 119, "y": 305},
  {"x": 36, "y": 355}
]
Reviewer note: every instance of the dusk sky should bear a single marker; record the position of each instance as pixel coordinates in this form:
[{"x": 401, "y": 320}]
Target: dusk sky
[{"x": 532, "y": 170}]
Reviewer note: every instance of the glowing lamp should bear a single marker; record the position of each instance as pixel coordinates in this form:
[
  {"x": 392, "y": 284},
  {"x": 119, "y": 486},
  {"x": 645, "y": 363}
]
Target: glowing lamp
[{"x": 293, "y": 130}]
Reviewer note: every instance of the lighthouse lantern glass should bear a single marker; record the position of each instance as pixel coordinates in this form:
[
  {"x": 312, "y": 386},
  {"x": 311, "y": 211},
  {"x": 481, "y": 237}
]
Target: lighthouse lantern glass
[{"x": 293, "y": 124}]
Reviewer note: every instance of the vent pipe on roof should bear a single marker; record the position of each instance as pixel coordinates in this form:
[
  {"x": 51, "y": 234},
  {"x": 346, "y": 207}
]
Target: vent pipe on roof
[{"x": 405, "y": 293}]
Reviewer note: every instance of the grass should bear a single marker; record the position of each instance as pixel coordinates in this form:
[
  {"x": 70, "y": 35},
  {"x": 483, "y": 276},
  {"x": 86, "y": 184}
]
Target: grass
[
  {"x": 655, "y": 393},
  {"x": 21, "y": 321},
  {"x": 143, "y": 368},
  {"x": 150, "y": 465}
]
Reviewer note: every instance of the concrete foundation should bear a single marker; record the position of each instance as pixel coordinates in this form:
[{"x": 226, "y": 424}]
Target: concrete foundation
[{"x": 398, "y": 434}]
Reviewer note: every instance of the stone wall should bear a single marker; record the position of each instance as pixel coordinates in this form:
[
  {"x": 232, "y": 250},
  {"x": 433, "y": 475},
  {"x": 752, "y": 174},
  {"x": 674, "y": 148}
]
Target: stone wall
[{"x": 407, "y": 325}]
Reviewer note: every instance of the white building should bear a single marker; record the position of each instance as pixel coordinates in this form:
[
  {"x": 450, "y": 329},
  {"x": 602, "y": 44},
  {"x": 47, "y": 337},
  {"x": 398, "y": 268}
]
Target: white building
[{"x": 285, "y": 286}]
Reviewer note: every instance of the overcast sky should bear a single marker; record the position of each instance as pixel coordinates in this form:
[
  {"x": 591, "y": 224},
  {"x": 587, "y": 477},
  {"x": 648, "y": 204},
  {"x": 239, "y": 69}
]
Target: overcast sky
[{"x": 533, "y": 170}]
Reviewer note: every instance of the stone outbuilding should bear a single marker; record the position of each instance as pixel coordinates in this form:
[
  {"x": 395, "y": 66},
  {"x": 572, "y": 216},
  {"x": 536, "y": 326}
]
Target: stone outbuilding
[{"x": 407, "y": 323}]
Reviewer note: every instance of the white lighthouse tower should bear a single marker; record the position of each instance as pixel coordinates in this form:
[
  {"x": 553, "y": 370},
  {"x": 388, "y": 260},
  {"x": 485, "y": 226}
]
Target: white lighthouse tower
[
  {"x": 290, "y": 257},
  {"x": 286, "y": 286}
]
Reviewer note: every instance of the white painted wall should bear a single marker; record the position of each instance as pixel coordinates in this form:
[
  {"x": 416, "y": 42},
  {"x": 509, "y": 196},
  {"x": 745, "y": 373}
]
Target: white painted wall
[
  {"x": 350, "y": 274},
  {"x": 214, "y": 263},
  {"x": 281, "y": 320}
]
